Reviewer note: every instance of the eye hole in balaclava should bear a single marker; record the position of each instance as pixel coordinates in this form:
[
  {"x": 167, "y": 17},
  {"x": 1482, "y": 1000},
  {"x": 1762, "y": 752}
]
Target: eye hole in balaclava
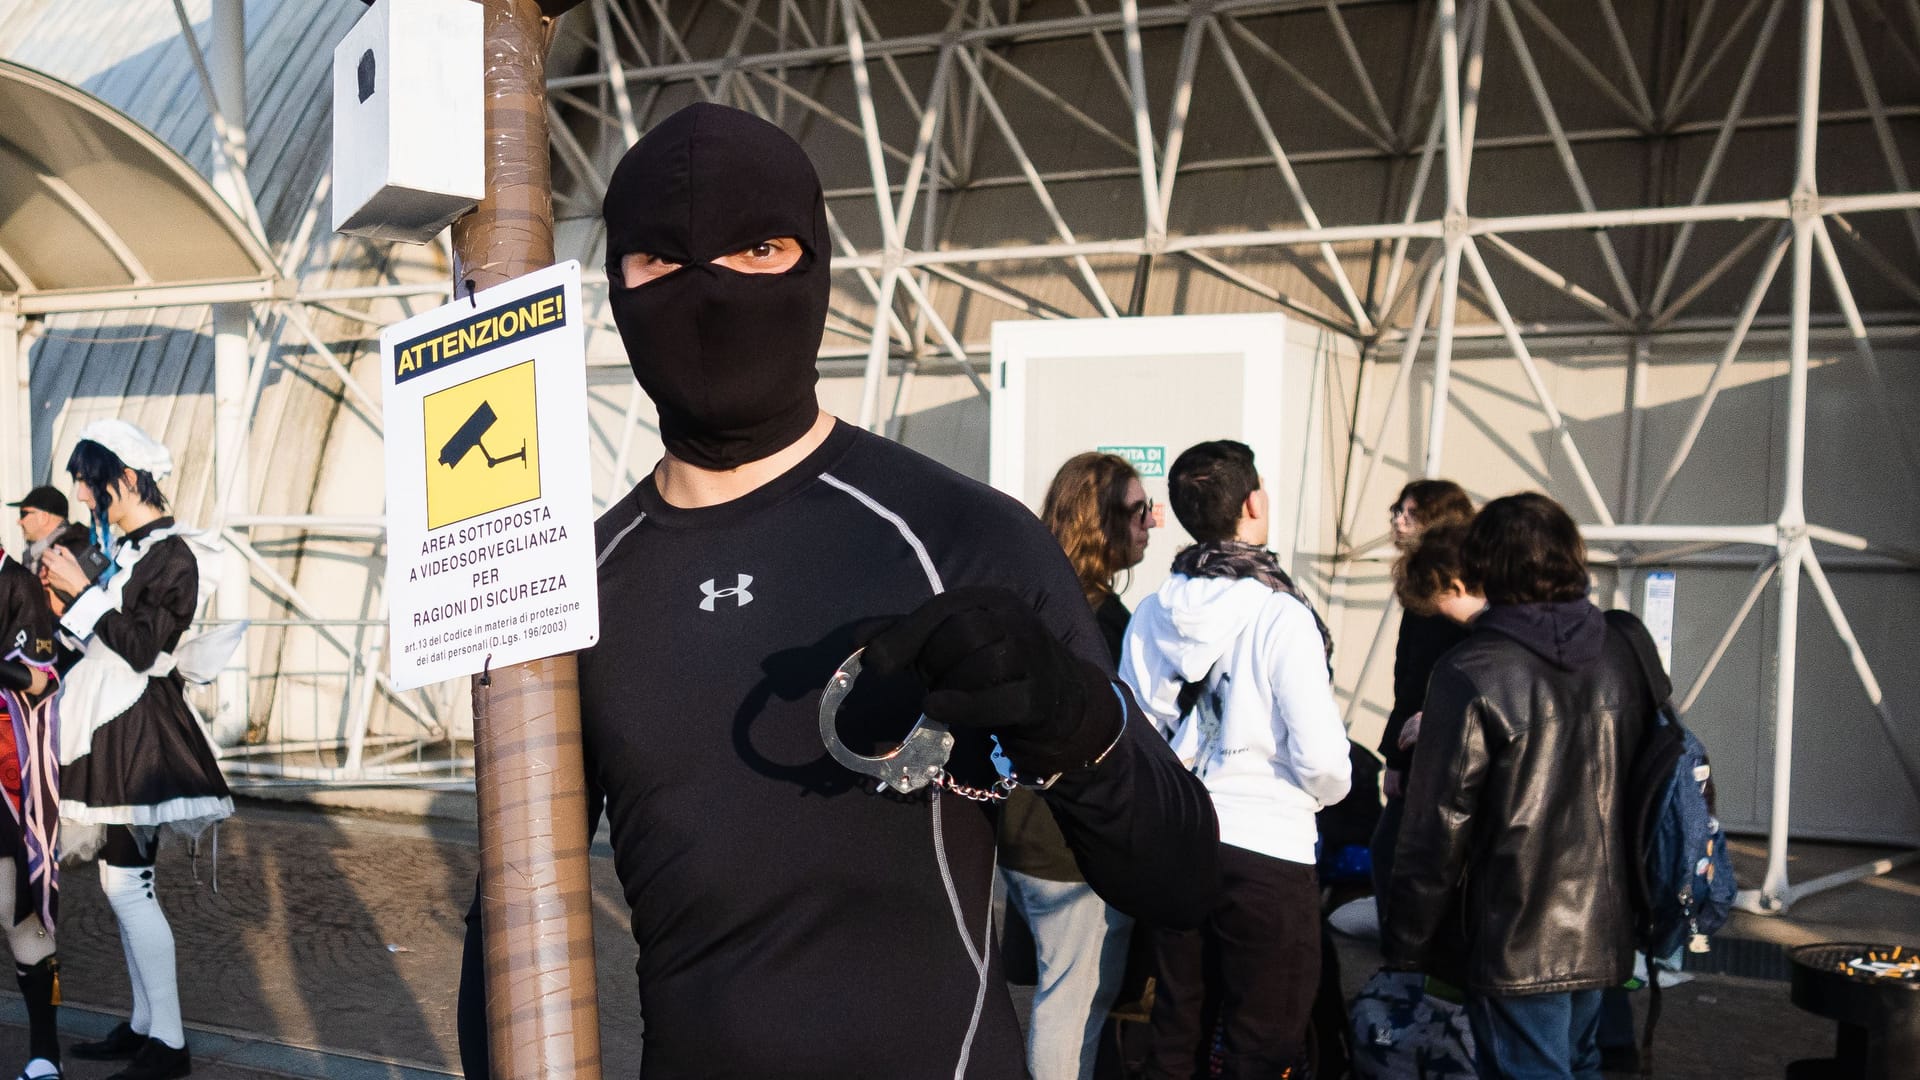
[
  {"x": 727, "y": 357},
  {"x": 775, "y": 255}
]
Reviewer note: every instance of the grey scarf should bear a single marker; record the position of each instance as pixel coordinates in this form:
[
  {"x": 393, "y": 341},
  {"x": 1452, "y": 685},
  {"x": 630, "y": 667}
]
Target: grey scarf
[{"x": 1234, "y": 559}]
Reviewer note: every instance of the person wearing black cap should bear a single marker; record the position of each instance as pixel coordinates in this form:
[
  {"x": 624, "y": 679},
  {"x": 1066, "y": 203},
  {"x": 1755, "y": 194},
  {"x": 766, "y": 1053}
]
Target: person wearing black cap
[
  {"x": 793, "y": 921},
  {"x": 43, "y": 513}
]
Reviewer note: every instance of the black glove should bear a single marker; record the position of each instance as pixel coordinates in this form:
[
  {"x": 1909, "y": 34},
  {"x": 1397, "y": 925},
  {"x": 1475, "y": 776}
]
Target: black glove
[
  {"x": 988, "y": 662},
  {"x": 15, "y": 675}
]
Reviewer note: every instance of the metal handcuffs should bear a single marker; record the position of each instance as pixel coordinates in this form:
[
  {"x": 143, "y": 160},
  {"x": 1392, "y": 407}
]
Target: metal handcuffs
[
  {"x": 919, "y": 760},
  {"x": 921, "y": 757}
]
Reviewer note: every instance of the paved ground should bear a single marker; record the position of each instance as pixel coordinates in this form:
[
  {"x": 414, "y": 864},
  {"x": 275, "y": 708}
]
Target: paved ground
[
  {"x": 340, "y": 932},
  {"x": 329, "y": 931}
]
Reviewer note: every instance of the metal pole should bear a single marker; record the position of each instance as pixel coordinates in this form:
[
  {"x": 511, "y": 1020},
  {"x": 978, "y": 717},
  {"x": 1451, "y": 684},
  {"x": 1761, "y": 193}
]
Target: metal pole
[
  {"x": 876, "y": 369},
  {"x": 1637, "y": 359},
  {"x": 227, "y": 66},
  {"x": 1156, "y": 221},
  {"x": 535, "y": 896},
  {"x": 1772, "y": 896},
  {"x": 1793, "y": 511},
  {"x": 1455, "y": 232},
  {"x": 1177, "y": 113}
]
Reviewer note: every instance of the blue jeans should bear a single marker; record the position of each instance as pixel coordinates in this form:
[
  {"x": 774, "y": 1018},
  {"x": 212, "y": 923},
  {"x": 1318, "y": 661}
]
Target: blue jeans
[
  {"x": 1082, "y": 947},
  {"x": 1536, "y": 1036}
]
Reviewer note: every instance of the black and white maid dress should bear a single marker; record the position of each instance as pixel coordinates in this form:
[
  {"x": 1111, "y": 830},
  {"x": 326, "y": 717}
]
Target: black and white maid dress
[{"x": 132, "y": 752}]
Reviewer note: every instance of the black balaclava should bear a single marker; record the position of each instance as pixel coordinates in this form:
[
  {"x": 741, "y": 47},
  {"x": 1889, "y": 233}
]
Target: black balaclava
[{"x": 728, "y": 358}]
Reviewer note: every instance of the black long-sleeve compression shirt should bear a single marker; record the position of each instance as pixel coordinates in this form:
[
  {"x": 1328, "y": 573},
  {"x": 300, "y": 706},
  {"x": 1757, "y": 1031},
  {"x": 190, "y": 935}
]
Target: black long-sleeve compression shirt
[{"x": 792, "y": 921}]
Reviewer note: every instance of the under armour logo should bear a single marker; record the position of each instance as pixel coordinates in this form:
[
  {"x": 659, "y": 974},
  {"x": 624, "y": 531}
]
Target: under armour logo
[{"x": 739, "y": 592}]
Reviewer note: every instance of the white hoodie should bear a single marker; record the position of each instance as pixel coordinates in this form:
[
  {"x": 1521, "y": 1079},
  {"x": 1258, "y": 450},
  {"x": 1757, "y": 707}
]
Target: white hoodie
[{"x": 1278, "y": 751}]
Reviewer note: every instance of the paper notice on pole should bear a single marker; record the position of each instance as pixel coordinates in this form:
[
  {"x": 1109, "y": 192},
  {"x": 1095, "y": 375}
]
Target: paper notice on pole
[
  {"x": 1657, "y": 612},
  {"x": 489, "y": 497}
]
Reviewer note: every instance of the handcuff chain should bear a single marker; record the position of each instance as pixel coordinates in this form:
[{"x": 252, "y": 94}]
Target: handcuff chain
[{"x": 997, "y": 793}]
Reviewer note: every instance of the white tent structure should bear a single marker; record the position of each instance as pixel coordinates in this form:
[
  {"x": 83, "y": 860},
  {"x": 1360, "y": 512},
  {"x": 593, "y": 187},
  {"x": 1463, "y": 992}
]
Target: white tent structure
[{"x": 1654, "y": 258}]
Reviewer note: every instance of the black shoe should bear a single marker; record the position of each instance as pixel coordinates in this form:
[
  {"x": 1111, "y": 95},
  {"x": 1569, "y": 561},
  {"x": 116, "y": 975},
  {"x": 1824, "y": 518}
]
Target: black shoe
[
  {"x": 156, "y": 1061},
  {"x": 120, "y": 1044}
]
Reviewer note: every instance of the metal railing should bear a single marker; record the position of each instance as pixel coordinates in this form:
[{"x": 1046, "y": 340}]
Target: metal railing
[{"x": 321, "y": 714}]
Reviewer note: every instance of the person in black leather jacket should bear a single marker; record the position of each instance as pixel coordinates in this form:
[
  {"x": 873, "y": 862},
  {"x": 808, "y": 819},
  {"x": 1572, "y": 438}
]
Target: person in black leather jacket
[{"x": 1511, "y": 872}]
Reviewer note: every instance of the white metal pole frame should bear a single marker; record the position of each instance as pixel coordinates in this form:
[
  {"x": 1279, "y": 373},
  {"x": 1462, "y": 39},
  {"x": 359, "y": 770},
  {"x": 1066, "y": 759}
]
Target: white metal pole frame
[
  {"x": 1773, "y": 893},
  {"x": 814, "y": 38},
  {"x": 1454, "y": 235},
  {"x": 1459, "y": 34},
  {"x": 227, "y": 63}
]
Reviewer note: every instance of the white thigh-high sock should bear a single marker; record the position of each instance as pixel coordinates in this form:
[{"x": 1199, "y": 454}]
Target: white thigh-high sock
[
  {"x": 141, "y": 1018},
  {"x": 148, "y": 941}
]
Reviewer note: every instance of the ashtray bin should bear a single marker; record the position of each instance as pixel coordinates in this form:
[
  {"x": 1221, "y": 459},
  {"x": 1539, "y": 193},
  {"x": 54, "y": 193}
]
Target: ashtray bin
[{"x": 1872, "y": 994}]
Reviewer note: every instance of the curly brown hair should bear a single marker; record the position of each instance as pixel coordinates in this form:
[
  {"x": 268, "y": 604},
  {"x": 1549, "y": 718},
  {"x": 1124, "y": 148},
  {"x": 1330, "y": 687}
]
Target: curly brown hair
[
  {"x": 1086, "y": 510},
  {"x": 1437, "y": 503},
  {"x": 1424, "y": 574}
]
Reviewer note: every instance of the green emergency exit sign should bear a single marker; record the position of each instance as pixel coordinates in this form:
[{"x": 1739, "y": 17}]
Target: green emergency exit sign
[{"x": 1146, "y": 460}]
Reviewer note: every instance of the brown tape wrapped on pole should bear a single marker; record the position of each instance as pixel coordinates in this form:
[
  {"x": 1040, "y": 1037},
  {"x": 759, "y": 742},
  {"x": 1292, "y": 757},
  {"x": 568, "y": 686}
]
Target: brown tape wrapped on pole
[{"x": 536, "y": 898}]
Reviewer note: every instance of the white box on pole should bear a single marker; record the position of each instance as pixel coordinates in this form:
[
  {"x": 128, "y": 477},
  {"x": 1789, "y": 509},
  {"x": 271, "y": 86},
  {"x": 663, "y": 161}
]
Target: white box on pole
[
  {"x": 490, "y": 513},
  {"x": 409, "y": 119}
]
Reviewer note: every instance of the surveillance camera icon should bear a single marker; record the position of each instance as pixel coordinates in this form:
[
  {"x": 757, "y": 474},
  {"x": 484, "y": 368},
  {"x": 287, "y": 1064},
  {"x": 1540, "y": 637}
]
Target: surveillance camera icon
[{"x": 467, "y": 439}]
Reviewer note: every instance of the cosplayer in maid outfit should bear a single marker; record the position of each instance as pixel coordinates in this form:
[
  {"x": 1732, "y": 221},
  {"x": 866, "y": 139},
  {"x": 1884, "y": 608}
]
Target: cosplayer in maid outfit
[
  {"x": 28, "y": 889},
  {"x": 134, "y": 759}
]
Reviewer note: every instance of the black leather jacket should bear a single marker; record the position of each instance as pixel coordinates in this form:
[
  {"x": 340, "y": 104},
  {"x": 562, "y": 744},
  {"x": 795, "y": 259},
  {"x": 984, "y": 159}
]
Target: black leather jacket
[{"x": 1511, "y": 874}]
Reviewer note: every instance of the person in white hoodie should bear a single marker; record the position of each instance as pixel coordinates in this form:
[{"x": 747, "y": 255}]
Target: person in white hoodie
[{"x": 1230, "y": 661}]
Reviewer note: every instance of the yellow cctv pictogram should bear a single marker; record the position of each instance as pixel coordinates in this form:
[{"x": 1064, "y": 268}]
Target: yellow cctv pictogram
[{"x": 483, "y": 446}]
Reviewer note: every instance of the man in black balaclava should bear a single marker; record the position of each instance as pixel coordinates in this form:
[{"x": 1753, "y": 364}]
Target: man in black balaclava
[
  {"x": 793, "y": 921},
  {"x": 724, "y": 345}
]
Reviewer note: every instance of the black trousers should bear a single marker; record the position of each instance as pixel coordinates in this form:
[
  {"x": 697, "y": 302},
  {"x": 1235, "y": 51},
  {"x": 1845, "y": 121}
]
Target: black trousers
[{"x": 1251, "y": 970}]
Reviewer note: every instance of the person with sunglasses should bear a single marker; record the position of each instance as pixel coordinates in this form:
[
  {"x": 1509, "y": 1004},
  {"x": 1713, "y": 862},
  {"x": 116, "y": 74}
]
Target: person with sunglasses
[
  {"x": 43, "y": 514},
  {"x": 1422, "y": 505},
  {"x": 1099, "y": 512}
]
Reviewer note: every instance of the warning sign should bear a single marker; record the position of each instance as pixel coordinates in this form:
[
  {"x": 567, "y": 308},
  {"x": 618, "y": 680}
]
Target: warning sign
[
  {"x": 465, "y": 476},
  {"x": 490, "y": 554}
]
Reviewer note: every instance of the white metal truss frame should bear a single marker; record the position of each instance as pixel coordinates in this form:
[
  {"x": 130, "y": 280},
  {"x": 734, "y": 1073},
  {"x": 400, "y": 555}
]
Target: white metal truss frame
[
  {"x": 1434, "y": 260},
  {"x": 638, "y": 48}
]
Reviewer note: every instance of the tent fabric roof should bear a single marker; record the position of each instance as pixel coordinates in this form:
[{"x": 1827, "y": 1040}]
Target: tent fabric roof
[{"x": 91, "y": 201}]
